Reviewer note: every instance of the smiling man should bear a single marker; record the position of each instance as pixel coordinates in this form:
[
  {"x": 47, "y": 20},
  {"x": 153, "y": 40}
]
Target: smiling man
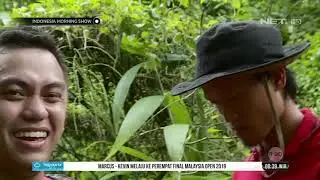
[
  {"x": 33, "y": 101},
  {"x": 242, "y": 70}
]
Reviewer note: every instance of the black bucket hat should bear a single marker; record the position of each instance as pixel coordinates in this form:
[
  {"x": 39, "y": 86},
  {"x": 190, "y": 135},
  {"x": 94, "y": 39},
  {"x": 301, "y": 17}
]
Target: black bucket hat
[{"x": 238, "y": 47}]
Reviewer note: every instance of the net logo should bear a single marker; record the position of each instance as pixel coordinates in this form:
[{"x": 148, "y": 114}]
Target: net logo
[
  {"x": 275, "y": 154},
  {"x": 293, "y": 21}
]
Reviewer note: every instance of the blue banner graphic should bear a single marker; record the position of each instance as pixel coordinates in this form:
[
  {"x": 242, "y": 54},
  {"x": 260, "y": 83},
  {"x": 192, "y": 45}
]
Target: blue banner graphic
[{"x": 47, "y": 166}]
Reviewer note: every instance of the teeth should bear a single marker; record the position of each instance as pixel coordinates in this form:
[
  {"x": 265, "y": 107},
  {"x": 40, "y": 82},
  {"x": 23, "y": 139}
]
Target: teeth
[{"x": 36, "y": 134}]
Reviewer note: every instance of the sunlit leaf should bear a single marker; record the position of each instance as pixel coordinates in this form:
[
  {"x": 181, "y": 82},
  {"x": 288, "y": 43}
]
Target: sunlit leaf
[
  {"x": 135, "y": 153},
  {"x": 236, "y": 4},
  {"x": 178, "y": 110},
  {"x": 184, "y": 3},
  {"x": 121, "y": 94},
  {"x": 213, "y": 130},
  {"x": 176, "y": 57},
  {"x": 135, "y": 118},
  {"x": 175, "y": 136},
  {"x": 133, "y": 45},
  {"x": 202, "y": 1}
]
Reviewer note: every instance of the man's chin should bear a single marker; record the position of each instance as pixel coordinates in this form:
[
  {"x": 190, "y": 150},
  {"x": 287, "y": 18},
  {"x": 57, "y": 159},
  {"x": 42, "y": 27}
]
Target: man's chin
[
  {"x": 27, "y": 159},
  {"x": 249, "y": 143}
]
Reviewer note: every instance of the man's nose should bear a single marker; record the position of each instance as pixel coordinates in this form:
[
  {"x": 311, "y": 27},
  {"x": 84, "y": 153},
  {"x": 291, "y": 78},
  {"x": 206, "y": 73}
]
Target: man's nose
[{"x": 35, "y": 109}]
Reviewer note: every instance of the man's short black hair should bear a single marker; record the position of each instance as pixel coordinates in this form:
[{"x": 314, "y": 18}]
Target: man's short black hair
[
  {"x": 31, "y": 37},
  {"x": 291, "y": 85}
]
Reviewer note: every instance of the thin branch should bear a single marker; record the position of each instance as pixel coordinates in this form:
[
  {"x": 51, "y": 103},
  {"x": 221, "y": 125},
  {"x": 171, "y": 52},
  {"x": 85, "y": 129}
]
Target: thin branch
[
  {"x": 118, "y": 44},
  {"x": 207, "y": 138},
  {"x": 196, "y": 150},
  {"x": 152, "y": 130},
  {"x": 209, "y": 125},
  {"x": 202, "y": 18},
  {"x": 101, "y": 64},
  {"x": 105, "y": 52}
]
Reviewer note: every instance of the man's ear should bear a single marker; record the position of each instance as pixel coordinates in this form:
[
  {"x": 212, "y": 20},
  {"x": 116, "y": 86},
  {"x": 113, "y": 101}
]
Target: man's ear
[{"x": 279, "y": 78}]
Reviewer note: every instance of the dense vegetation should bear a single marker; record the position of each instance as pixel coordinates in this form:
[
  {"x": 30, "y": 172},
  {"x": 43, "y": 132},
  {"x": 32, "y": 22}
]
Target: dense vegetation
[{"x": 122, "y": 70}]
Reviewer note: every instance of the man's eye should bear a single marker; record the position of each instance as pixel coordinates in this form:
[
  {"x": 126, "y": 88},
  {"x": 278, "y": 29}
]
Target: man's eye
[
  {"x": 53, "y": 97},
  {"x": 14, "y": 94}
]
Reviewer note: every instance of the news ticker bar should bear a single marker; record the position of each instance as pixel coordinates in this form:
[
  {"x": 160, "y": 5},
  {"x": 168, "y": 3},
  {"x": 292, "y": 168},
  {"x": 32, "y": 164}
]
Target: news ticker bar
[
  {"x": 158, "y": 166},
  {"x": 58, "y": 21}
]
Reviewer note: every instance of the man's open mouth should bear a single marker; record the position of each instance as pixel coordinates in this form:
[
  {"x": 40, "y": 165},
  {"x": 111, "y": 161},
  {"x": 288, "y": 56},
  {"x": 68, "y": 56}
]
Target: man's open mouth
[
  {"x": 31, "y": 135},
  {"x": 31, "y": 138}
]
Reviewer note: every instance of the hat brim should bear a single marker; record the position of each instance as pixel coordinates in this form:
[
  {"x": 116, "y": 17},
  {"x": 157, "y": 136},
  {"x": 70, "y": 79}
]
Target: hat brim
[{"x": 290, "y": 54}]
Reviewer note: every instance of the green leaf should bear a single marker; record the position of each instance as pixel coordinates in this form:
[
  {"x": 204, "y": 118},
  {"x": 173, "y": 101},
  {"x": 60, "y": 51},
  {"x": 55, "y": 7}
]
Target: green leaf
[
  {"x": 133, "y": 45},
  {"x": 176, "y": 57},
  {"x": 175, "y": 136},
  {"x": 184, "y": 3},
  {"x": 113, "y": 174},
  {"x": 135, "y": 118},
  {"x": 227, "y": 139},
  {"x": 5, "y": 17},
  {"x": 135, "y": 153},
  {"x": 126, "y": 25},
  {"x": 236, "y": 4},
  {"x": 178, "y": 110},
  {"x": 153, "y": 62},
  {"x": 179, "y": 115},
  {"x": 121, "y": 94},
  {"x": 213, "y": 130},
  {"x": 88, "y": 148}
]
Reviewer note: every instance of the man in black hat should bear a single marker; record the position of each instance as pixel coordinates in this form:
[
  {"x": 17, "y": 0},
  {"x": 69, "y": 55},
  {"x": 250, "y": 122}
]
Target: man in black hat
[{"x": 242, "y": 70}]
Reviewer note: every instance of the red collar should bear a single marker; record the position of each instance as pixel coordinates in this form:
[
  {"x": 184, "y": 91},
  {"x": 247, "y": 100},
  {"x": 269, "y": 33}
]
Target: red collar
[{"x": 302, "y": 133}]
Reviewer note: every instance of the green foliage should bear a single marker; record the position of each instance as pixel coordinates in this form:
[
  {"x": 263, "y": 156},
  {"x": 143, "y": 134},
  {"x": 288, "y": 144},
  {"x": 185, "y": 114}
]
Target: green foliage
[
  {"x": 178, "y": 110},
  {"x": 135, "y": 153},
  {"x": 121, "y": 93},
  {"x": 135, "y": 118},
  {"x": 307, "y": 69},
  {"x": 114, "y": 174},
  {"x": 175, "y": 144}
]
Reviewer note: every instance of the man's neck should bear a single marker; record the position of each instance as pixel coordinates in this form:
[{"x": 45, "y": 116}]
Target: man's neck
[
  {"x": 290, "y": 120},
  {"x": 19, "y": 175}
]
